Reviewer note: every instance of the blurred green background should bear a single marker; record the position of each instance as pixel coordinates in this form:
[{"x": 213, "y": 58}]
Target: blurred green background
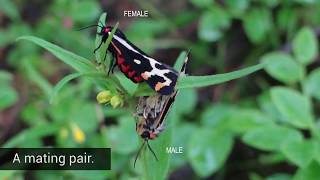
[{"x": 263, "y": 126}]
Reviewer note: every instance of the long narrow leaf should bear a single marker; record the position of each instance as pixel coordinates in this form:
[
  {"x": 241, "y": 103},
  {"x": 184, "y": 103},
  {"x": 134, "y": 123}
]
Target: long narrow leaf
[
  {"x": 75, "y": 61},
  {"x": 201, "y": 81},
  {"x": 180, "y": 60},
  {"x": 103, "y": 49},
  {"x": 37, "y": 78},
  {"x": 70, "y": 77},
  {"x": 100, "y": 53}
]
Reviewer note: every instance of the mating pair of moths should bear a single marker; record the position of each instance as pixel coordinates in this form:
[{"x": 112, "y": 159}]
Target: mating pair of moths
[{"x": 138, "y": 67}]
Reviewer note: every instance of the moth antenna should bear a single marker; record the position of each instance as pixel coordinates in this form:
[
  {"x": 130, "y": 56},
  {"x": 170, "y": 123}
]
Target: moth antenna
[
  {"x": 101, "y": 23},
  {"x": 90, "y": 26},
  {"x": 135, "y": 160},
  {"x": 154, "y": 154}
]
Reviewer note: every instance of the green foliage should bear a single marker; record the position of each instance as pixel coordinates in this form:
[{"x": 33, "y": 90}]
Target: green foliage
[
  {"x": 208, "y": 154},
  {"x": 294, "y": 107},
  {"x": 201, "y": 81},
  {"x": 270, "y": 137},
  {"x": 300, "y": 152},
  {"x": 272, "y": 116},
  {"x": 257, "y": 24},
  {"x": 8, "y": 96},
  {"x": 311, "y": 84},
  {"x": 305, "y": 46},
  {"x": 282, "y": 67},
  {"x": 212, "y": 23}
]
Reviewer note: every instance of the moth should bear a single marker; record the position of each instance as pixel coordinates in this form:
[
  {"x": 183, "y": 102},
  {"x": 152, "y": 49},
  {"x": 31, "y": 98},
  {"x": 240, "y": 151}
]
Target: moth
[
  {"x": 151, "y": 112},
  {"x": 137, "y": 65}
]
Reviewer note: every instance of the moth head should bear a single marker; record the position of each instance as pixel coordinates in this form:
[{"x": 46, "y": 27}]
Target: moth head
[
  {"x": 144, "y": 130},
  {"x": 107, "y": 29},
  {"x": 148, "y": 135}
]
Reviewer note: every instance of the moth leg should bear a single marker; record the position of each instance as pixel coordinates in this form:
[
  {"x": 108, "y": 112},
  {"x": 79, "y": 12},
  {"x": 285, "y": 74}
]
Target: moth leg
[
  {"x": 114, "y": 65},
  {"x": 105, "y": 56},
  {"x": 94, "y": 51},
  {"x": 111, "y": 66}
]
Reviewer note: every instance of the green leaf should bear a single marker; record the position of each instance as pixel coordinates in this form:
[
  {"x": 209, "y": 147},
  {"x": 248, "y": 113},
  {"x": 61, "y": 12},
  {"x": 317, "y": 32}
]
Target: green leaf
[
  {"x": 186, "y": 101},
  {"x": 84, "y": 11},
  {"x": 282, "y": 67},
  {"x": 82, "y": 114},
  {"x": 77, "y": 62},
  {"x": 279, "y": 176},
  {"x": 216, "y": 114},
  {"x": 295, "y": 108},
  {"x": 311, "y": 172},
  {"x": 287, "y": 18},
  {"x": 37, "y": 78},
  {"x": 180, "y": 60},
  {"x": 208, "y": 151},
  {"x": 9, "y": 8},
  {"x": 201, "y": 81},
  {"x": 237, "y": 8},
  {"x": 305, "y": 46},
  {"x": 212, "y": 23},
  {"x": 270, "y": 138},
  {"x": 257, "y": 24},
  {"x": 268, "y": 107},
  {"x": 311, "y": 85},
  {"x": 129, "y": 86},
  {"x": 68, "y": 78},
  {"x": 128, "y": 143},
  {"x": 9, "y": 174},
  {"x": 8, "y": 95},
  {"x": 104, "y": 48},
  {"x": 201, "y": 3},
  {"x": 31, "y": 134},
  {"x": 150, "y": 167},
  {"x": 300, "y": 152},
  {"x": 182, "y": 131},
  {"x": 143, "y": 90},
  {"x": 242, "y": 120},
  {"x": 61, "y": 83},
  {"x": 271, "y": 3}
]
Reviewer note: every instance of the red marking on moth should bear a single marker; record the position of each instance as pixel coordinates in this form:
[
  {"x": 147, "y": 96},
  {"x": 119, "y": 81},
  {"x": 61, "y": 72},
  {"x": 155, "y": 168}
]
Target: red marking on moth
[
  {"x": 137, "y": 78},
  {"x": 131, "y": 73},
  {"x": 106, "y": 30},
  {"x": 120, "y": 59},
  {"x": 124, "y": 68},
  {"x": 153, "y": 135}
]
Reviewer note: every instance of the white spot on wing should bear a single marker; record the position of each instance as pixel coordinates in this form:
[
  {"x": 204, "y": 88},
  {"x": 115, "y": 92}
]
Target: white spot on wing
[
  {"x": 158, "y": 72},
  {"x": 137, "y": 61}
]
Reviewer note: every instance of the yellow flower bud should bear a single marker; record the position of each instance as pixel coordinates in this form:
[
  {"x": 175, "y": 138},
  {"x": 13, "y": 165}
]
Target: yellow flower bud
[
  {"x": 116, "y": 101},
  {"x": 104, "y": 97},
  {"x": 78, "y": 134}
]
